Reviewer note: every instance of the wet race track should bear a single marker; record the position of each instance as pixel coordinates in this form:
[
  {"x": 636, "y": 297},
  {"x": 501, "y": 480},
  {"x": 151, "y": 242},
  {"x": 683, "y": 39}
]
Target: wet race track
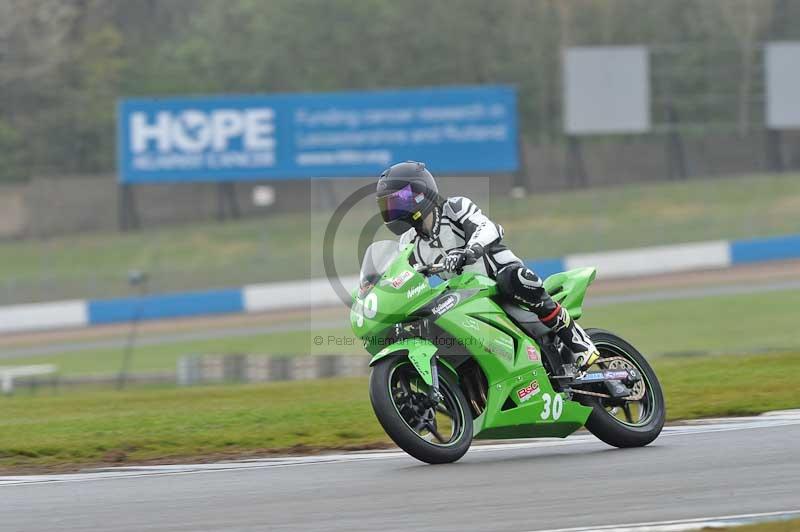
[{"x": 708, "y": 469}]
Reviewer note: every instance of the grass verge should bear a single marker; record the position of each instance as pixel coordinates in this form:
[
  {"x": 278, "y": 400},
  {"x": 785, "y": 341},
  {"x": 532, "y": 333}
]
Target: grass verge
[
  {"x": 792, "y": 525},
  {"x": 164, "y": 356},
  {"x": 285, "y": 246},
  {"x": 162, "y": 424},
  {"x": 704, "y": 324}
]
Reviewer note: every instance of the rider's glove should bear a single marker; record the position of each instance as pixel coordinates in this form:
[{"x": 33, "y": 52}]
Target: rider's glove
[
  {"x": 458, "y": 258},
  {"x": 472, "y": 254},
  {"x": 454, "y": 260}
]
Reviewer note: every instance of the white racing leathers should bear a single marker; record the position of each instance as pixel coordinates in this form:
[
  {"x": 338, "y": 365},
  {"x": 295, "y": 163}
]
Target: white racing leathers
[{"x": 459, "y": 223}]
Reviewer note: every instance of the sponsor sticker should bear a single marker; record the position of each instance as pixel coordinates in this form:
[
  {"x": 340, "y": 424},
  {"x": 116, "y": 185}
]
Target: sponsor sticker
[
  {"x": 401, "y": 279},
  {"x": 417, "y": 290},
  {"x": 501, "y": 347},
  {"x": 605, "y": 376},
  {"x": 533, "y": 354},
  {"x": 614, "y": 375},
  {"x": 528, "y": 391},
  {"x": 445, "y": 304},
  {"x": 419, "y": 197},
  {"x": 471, "y": 323}
]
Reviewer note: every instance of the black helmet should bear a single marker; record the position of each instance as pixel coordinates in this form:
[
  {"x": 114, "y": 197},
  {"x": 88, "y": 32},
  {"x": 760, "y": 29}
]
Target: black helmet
[{"x": 406, "y": 193}]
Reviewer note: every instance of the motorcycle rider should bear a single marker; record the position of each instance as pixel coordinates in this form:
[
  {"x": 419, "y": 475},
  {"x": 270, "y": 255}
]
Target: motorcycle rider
[{"x": 455, "y": 232}]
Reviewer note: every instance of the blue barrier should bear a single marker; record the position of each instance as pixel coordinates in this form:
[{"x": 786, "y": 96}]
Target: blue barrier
[
  {"x": 763, "y": 249},
  {"x": 546, "y": 267},
  {"x": 155, "y": 307}
]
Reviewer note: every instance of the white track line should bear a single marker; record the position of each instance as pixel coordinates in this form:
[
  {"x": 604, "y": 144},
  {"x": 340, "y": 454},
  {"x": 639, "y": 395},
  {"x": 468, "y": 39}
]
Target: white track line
[
  {"x": 681, "y": 525},
  {"x": 769, "y": 420}
]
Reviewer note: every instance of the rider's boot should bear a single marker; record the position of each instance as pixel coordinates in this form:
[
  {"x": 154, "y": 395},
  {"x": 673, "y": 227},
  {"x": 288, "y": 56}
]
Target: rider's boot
[{"x": 574, "y": 337}]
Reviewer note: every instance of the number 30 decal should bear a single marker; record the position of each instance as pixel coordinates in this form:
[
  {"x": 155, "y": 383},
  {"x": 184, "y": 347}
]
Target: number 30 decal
[
  {"x": 366, "y": 307},
  {"x": 557, "y": 404}
]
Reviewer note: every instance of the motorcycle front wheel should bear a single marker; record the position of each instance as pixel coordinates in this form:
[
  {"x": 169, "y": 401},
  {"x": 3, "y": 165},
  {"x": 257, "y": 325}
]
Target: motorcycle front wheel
[{"x": 433, "y": 433}]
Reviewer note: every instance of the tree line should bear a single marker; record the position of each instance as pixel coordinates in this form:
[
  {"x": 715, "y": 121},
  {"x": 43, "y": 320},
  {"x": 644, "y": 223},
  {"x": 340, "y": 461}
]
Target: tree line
[{"x": 65, "y": 63}]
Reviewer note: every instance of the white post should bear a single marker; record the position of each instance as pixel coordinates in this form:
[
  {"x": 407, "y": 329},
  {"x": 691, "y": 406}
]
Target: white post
[{"x": 8, "y": 383}]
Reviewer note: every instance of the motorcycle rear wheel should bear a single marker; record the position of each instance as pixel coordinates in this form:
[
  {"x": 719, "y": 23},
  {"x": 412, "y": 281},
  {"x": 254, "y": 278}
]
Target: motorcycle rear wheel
[{"x": 644, "y": 419}]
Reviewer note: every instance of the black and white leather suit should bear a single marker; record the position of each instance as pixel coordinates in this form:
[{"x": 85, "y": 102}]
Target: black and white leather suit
[{"x": 458, "y": 224}]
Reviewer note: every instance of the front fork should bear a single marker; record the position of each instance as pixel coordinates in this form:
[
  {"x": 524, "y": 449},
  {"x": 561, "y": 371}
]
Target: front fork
[
  {"x": 434, "y": 394},
  {"x": 422, "y": 354},
  {"x": 420, "y": 329}
]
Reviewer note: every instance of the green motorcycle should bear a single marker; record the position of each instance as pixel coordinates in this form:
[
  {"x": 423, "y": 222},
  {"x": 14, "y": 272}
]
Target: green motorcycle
[{"x": 456, "y": 362}]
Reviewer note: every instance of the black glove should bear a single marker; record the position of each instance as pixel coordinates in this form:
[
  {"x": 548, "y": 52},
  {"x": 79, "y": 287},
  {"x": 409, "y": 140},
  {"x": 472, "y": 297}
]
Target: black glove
[
  {"x": 458, "y": 258},
  {"x": 454, "y": 260},
  {"x": 472, "y": 254}
]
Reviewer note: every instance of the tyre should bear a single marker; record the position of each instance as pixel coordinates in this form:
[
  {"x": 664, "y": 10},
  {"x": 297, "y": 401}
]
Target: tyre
[
  {"x": 434, "y": 434},
  {"x": 619, "y": 422}
]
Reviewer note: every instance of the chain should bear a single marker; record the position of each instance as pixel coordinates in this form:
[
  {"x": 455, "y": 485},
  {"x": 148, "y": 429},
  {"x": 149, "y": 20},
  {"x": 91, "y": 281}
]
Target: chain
[
  {"x": 593, "y": 394},
  {"x": 636, "y": 397}
]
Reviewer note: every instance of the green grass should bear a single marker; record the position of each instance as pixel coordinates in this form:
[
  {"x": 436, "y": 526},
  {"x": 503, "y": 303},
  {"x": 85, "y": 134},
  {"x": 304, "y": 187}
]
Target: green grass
[
  {"x": 728, "y": 386},
  {"x": 732, "y": 323},
  {"x": 164, "y": 357},
  {"x": 792, "y": 525},
  {"x": 143, "y": 424},
  {"x": 735, "y": 324},
  {"x": 92, "y": 427},
  {"x": 643, "y": 215},
  {"x": 284, "y": 246}
]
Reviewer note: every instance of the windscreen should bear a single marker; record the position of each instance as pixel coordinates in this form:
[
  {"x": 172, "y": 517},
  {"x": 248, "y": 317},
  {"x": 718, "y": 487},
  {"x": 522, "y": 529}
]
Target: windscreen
[{"x": 377, "y": 259}]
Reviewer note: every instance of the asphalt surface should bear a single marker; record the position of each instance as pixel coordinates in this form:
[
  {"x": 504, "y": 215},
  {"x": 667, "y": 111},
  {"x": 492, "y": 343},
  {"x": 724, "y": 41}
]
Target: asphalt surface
[{"x": 707, "y": 469}]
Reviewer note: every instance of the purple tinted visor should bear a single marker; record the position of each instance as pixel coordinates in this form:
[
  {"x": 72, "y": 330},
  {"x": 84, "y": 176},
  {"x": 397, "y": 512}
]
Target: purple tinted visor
[{"x": 399, "y": 205}]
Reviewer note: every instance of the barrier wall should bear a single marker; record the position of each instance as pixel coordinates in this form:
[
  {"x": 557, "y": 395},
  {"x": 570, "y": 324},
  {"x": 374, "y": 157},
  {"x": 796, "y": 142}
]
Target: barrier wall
[{"x": 303, "y": 294}]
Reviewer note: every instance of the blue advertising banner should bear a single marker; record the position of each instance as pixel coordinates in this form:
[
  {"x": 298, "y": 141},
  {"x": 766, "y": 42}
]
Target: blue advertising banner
[{"x": 290, "y": 136}]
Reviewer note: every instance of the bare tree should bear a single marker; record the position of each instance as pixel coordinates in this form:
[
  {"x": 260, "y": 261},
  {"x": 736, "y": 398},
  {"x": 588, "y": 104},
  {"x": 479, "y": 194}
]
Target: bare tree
[
  {"x": 748, "y": 20},
  {"x": 32, "y": 37}
]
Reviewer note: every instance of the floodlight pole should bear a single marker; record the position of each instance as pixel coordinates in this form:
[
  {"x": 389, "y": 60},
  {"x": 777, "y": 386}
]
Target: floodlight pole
[
  {"x": 575, "y": 167},
  {"x": 135, "y": 279},
  {"x": 676, "y": 156},
  {"x": 227, "y": 204},
  {"x": 774, "y": 150},
  {"x": 521, "y": 179},
  {"x": 128, "y": 217}
]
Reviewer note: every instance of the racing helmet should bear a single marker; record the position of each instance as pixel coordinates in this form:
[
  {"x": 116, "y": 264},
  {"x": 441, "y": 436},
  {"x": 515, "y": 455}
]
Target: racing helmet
[{"x": 406, "y": 194}]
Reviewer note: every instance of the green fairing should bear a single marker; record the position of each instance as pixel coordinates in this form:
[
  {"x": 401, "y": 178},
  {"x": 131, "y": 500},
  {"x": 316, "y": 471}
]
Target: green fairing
[
  {"x": 569, "y": 288},
  {"x": 395, "y": 304},
  {"x": 506, "y": 376},
  {"x": 499, "y": 347},
  {"x": 419, "y": 351}
]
